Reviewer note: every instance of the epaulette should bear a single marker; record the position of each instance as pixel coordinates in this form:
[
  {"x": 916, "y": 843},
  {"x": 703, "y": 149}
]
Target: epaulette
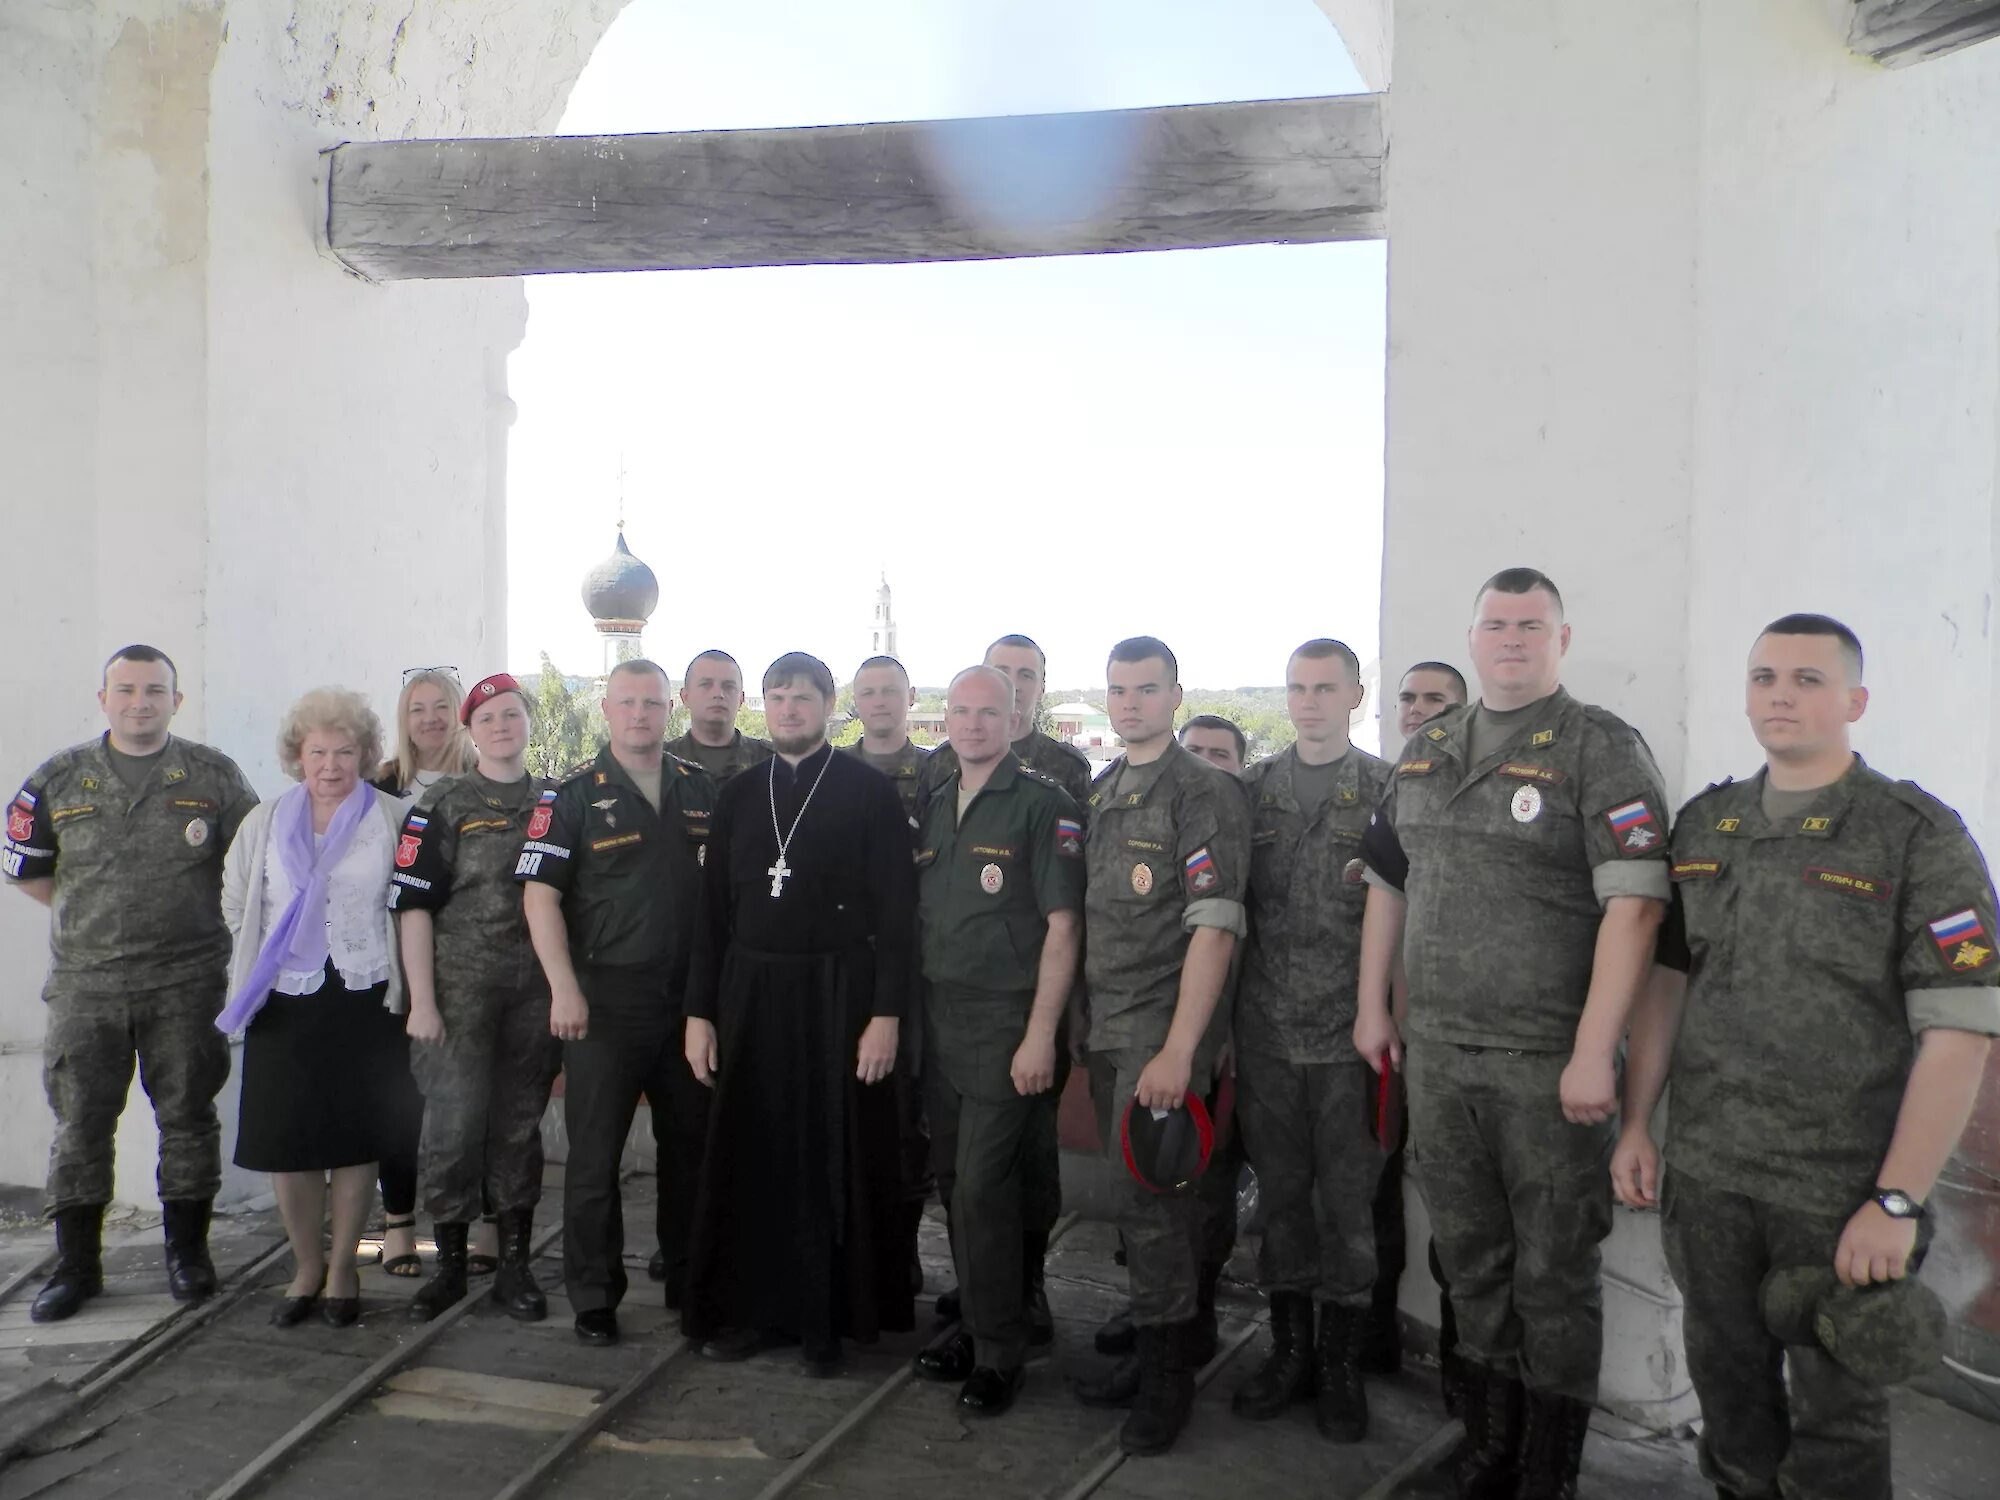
[
  {"x": 1940, "y": 814},
  {"x": 566, "y": 777},
  {"x": 1031, "y": 773},
  {"x": 1713, "y": 786},
  {"x": 1070, "y": 750},
  {"x": 685, "y": 766}
]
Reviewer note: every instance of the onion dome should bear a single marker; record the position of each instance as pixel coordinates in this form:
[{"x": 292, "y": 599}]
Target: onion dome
[{"x": 621, "y": 587}]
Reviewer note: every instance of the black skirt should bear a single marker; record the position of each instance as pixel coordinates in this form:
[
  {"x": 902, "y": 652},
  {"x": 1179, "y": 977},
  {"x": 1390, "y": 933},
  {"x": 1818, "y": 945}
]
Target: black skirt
[{"x": 326, "y": 1081}]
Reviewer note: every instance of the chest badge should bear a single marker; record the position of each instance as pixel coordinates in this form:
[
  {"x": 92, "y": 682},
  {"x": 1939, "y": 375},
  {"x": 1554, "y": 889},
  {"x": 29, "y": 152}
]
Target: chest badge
[
  {"x": 1527, "y": 804},
  {"x": 1142, "y": 879},
  {"x": 196, "y": 833},
  {"x": 701, "y": 856},
  {"x": 990, "y": 880}
]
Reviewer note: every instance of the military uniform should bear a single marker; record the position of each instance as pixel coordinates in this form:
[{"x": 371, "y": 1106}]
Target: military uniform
[
  {"x": 486, "y": 1084},
  {"x": 905, "y": 769},
  {"x": 629, "y": 877},
  {"x": 986, "y": 887},
  {"x": 1507, "y": 864},
  {"x": 1302, "y": 1094},
  {"x": 1819, "y": 947},
  {"x": 139, "y": 955},
  {"x": 741, "y": 753},
  {"x": 1065, "y": 765},
  {"x": 1168, "y": 851}
]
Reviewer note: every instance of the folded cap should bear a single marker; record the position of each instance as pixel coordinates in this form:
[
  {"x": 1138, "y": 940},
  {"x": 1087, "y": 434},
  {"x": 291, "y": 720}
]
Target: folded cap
[
  {"x": 488, "y": 687},
  {"x": 1167, "y": 1149},
  {"x": 1882, "y": 1333}
]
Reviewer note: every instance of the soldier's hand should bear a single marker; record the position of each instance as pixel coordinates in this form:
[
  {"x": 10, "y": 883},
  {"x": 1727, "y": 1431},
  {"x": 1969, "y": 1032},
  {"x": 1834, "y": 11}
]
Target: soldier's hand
[
  {"x": 1034, "y": 1070},
  {"x": 700, "y": 1045},
  {"x": 569, "y": 1015},
  {"x": 1163, "y": 1084},
  {"x": 1874, "y": 1247},
  {"x": 1635, "y": 1168},
  {"x": 1374, "y": 1034},
  {"x": 875, "y": 1058},
  {"x": 1589, "y": 1090},
  {"x": 425, "y": 1024}
]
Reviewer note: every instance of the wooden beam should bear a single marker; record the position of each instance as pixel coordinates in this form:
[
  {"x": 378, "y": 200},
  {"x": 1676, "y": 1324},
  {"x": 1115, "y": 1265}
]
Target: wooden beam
[
  {"x": 1184, "y": 177},
  {"x": 1897, "y": 33}
]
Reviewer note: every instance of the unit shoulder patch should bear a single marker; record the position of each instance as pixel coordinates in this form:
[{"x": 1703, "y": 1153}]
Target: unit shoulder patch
[{"x": 1635, "y": 829}]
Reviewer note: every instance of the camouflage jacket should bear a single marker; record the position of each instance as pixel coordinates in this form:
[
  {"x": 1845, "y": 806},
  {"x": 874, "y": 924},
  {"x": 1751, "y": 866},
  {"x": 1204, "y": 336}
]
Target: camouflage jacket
[
  {"x": 906, "y": 771},
  {"x": 1507, "y": 865},
  {"x": 743, "y": 752},
  {"x": 455, "y": 859},
  {"x": 1817, "y": 950},
  {"x": 138, "y": 874},
  {"x": 1302, "y": 960},
  {"x": 1065, "y": 765}
]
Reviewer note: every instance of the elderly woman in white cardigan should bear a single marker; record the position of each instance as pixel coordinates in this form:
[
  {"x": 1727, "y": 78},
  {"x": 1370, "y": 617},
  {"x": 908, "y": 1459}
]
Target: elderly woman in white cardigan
[{"x": 315, "y": 987}]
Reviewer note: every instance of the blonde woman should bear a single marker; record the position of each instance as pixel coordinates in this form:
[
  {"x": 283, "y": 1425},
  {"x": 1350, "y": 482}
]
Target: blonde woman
[
  {"x": 431, "y": 746},
  {"x": 316, "y": 987}
]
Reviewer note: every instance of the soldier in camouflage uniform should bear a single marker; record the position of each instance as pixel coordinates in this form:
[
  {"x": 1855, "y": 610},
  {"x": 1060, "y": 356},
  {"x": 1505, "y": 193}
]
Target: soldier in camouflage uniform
[
  {"x": 712, "y": 693},
  {"x": 479, "y": 1003},
  {"x": 1835, "y": 930},
  {"x": 1302, "y": 1096},
  {"x": 1167, "y": 861},
  {"x": 1525, "y": 839},
  {"x": 122, "y": 838},
  {"x": 1000, "y": 881}
]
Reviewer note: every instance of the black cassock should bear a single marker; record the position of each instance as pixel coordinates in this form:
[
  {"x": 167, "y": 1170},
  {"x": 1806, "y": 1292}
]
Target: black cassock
[{"x": 795, "y": 1225}]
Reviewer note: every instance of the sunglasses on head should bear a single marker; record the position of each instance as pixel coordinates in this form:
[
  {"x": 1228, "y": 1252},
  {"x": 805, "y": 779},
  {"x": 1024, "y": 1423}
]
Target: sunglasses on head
[{"x": 409, "y": 672}]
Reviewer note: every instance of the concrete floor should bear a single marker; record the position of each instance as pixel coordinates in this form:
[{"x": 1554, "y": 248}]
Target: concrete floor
[{"x": 476, "y": 1407}]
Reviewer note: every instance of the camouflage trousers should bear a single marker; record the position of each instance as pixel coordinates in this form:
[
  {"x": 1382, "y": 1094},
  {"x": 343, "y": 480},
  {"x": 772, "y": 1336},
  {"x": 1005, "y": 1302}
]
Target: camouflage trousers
[
  {"x": 1519, "y": 1201},
  {"x": 1306, "y": 1130},
  {"x": 87, "y": 1060},
  {"x": 1829, "y": 1438},
  {"x": 485, "y": 1088},
  {"x": 1167, "y": 1236}
]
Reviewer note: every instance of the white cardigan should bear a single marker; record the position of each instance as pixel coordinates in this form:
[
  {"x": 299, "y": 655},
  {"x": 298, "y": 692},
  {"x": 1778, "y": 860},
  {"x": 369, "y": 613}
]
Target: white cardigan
[{"x": 243, "y": 896}]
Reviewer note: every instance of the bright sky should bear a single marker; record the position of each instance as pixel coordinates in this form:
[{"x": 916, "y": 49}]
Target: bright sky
[{"x": 1186, "y": 445}]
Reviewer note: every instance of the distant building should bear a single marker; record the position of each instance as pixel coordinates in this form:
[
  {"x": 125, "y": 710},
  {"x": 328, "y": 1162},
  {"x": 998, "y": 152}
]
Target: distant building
[
  {"x": 882, "y": 632},
  {"x": 621, "y": 594},
  {"x": 1086, "y": 727}
]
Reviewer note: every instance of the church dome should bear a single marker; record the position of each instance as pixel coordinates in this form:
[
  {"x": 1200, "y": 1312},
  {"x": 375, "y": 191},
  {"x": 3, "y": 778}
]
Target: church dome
[{"x": 621, "y": 587}]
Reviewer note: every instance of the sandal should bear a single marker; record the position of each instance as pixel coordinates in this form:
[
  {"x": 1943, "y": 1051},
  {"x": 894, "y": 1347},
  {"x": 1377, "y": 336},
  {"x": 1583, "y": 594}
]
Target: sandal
[
  {"x": 408, "y": 1266},
  {"x": 478, "y": 1262}
]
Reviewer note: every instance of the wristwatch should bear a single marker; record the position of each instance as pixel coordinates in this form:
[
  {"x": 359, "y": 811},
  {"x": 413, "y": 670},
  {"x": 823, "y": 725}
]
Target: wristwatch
[{"x": 1898, "y": 1204}]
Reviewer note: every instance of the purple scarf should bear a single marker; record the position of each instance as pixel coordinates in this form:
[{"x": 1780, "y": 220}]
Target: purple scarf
[{"x": 297, "y": 940}]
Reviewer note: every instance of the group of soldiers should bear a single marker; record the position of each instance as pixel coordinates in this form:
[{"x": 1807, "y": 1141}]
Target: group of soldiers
[{"x": 1497, "y": 922}]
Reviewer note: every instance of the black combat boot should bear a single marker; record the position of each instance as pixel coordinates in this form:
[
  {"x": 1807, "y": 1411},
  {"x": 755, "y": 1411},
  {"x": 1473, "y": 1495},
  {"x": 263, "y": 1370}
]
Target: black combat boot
[
  {"x": 1382, "y": 1348},
  {"x": 1203, "y": 1330},
  {"x": 1034, "y": 1291},
  {"x": 1340, "y": 1400},
  {"x": 1486, "y": 1463},
  {"x": 79, "y": 1273},
  {"x": 1117, "y": 1335},
  {"x": 1552, "y": 1446},
  {"x": 1165, "y": 1400},
  {"x": 514, "y": 1285},
  {"x": 1119, "y": 1385},
  {"x": 447, "y": 1283},
  {"x": 1286, "y": 1376},
  {"x": 190, "y": 1273}
]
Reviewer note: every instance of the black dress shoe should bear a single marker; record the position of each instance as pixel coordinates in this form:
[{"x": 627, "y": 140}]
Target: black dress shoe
[
  {"x": 740, "y": 1343},
  {"x": 339, "y": 1312},
  {"x": 988, "y": 1392},
  {"x": 293, "y": 1311},
  {"x": 946, "y": 1357},
  {"x": 657, "y": 1266},
  {"x": 597, "y": 1325},
  {"x": 947, "y": 1306}
]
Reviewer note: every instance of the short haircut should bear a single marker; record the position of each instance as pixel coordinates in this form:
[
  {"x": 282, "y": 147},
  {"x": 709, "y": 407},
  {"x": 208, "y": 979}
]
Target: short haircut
[
  {"x": 1804, "y": 624},
  {"x": 1321, "y": 649},
  {"x": 991, "y": 673},
  {"x": 882, "y": 661},
  {"x": 137, "y": 652},
  {"x": 638, "y": 664},
  {"x": 335, "y": 710},
  {"x": 1216, "y": 721},
  {"x": 793, "y": 665},
  {"x": 1457, "y": 677},
  {"x": 712, "y": 655},
  {"x": 1520, "y": 581},
  {"x": 1023, "y": 643},
  {"x": 1144, "y": 648}
]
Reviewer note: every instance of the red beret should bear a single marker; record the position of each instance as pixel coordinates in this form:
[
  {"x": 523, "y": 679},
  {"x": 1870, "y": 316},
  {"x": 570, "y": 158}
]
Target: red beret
[{"x": 489, "y": 687}]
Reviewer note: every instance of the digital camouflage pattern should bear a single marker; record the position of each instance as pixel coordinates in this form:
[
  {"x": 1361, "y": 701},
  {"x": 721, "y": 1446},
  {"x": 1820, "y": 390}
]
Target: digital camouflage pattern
[
  {"x": 905, "y": 769},
  {"x": 1817, "y": 948},
  {"x": 742, "y": 752}
]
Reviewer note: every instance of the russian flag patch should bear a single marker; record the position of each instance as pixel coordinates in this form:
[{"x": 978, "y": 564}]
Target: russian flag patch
[
  {"x": 1201, "y": 870},
  {"x": 1069, "y": 838},
  {"x": 416, "y": 822},
  {"x": 1957, "y": 937},
  {"x": 1633, "y": 827}
]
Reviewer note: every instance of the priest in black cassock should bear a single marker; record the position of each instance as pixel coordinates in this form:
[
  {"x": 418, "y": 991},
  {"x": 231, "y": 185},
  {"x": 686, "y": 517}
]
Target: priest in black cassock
[{"x": 802, "y": 970}]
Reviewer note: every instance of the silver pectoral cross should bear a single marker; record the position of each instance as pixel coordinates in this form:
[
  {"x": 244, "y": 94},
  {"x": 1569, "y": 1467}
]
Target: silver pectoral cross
[{"x": 778, "y": 872}]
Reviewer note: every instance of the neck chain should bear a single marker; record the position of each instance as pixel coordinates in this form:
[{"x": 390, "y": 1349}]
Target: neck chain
[{"x": 780, "y": 870}]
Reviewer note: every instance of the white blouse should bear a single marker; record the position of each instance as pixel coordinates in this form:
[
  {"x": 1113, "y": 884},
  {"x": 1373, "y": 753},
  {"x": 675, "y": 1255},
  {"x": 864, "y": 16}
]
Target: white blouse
[{"x": 356, "y": 939}]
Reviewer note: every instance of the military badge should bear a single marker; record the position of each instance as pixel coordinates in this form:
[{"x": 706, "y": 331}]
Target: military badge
[
  {"x": 544, "y": 814},
  {"x": 176, "y": 774},
  {"x": 1527, "y": 804},
  {"x": 1633, "y": 827},
  {"x": 1201, "y": 874},
  {"x": 990, "y": 880},
  {"x": 1069, "y": 838},
  {"x": 1142, "y": 879},
  {"x": 1542, "y": 737},
  {"x": 90, "y": 783},
  {"x": 1957, "y": 937},
  {"x": 1434, "y": 733},
  {"x": 1728, "y": 825},
  {"x": 605, "y": 804},
  {"x": 196, "y": 833},
  {"x": 21, "y": 819},
  {"x": 406, "y": 850}
]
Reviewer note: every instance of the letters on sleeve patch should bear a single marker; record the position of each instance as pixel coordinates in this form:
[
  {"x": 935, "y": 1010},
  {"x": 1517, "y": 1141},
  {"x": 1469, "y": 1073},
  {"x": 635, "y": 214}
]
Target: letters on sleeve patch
[
  {"x": 1069, "y": 838},
  {"x": 1416, "y": 768},
  {"x": 1958, "y": 939},
  {"x": 543, "y": 815},
  {"x": 1633, "y": 827},
  {"x": 1201, "y": 872},
  {"x": 1853, "y": 885}
]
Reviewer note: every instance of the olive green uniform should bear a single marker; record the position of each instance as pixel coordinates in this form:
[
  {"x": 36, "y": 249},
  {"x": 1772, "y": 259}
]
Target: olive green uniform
[
  {"x": 741, "y": 753},
  {"x": 486, "y": 1085},
  {"x": 1065, "y": 765},
  {"x": 987, "y": 884},
  {"x": 1168, "y": 851},
  {"x": 905, "y": 768},
  {"x": 1819, "y": 947},
  {"x": 1302, "y": 1095},
  {"x": 139, "y": 954},
  {"x": 1507, "y": 864}
]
